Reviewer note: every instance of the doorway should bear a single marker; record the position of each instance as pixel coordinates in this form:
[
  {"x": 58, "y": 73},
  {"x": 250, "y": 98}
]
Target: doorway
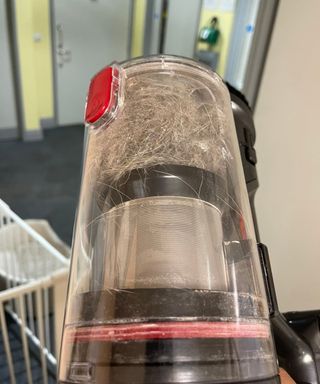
[
  {"x": 231, "y": 36},
  {"x": 87, "y": 35}
]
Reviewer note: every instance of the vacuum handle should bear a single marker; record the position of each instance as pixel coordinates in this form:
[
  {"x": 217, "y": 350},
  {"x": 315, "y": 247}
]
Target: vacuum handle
[{"x": 268, "y": 279}]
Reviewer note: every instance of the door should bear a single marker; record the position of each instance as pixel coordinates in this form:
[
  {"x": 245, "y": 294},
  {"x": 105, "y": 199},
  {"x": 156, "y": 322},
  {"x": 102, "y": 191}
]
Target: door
[
  {"x": 8, "y": 116},
  {"x": 253, "y": 25},
  {"x": 182, "y": 27},
  {"x": 88, "y": 35}
]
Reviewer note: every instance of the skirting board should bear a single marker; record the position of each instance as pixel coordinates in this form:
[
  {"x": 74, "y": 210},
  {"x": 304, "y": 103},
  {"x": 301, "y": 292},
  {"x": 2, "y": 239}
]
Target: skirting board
[
  {"x": 8, "y": 134},
  {"x": 32, "y": 135},
  {"x": 48, "y": 122}
]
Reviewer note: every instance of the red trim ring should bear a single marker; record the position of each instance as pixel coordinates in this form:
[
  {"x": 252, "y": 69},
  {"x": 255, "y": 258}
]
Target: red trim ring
[{"x": 167, "y": 330}]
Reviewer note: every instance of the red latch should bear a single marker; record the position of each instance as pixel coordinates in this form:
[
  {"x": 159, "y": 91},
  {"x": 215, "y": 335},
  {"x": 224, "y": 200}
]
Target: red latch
[{"x": 102, "y": 95}]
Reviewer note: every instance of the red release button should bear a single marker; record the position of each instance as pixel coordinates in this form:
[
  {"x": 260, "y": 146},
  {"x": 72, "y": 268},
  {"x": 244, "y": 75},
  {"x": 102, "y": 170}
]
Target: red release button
[{"x": 100, "y": 96}]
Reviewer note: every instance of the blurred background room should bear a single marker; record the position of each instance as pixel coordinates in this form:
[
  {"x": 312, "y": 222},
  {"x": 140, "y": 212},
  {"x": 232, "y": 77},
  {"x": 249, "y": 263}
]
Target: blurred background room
[{"x": 50, "y": 49}]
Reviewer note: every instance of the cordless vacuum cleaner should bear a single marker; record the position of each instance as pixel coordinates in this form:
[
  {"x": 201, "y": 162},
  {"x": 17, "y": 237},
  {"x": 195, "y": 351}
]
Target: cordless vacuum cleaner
[{"x": 166, "y": 283}]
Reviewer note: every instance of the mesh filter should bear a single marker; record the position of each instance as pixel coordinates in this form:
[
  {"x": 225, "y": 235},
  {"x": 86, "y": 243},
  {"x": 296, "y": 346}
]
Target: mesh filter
[{"x": 164, "y": 242}]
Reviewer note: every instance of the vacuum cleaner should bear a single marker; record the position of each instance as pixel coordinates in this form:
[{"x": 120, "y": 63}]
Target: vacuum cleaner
[{"x": 167, "y": 283}]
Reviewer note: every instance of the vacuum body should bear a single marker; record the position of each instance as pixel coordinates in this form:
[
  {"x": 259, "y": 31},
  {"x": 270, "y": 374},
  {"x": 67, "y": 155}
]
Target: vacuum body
[{"x": 165, "y": 283}]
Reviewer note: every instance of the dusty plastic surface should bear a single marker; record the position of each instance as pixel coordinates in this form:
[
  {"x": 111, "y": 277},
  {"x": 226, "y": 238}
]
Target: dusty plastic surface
[{"x": 165, "y": 284}]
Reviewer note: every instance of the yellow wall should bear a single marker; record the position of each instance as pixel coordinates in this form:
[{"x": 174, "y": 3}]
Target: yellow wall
[
  {"x": 139, "y": 12},
  {"x": 43, "y": 58},
  {"x": 32, "y": 17},
  {"x": 225, "y": 27}
]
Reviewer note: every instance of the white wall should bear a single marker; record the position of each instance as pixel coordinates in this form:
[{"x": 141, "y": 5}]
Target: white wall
[{"x": 287, "y": 119}]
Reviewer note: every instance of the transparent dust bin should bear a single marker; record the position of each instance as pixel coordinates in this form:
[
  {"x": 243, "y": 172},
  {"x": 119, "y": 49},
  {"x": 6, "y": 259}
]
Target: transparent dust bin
[{"x": 165, "y": 285}]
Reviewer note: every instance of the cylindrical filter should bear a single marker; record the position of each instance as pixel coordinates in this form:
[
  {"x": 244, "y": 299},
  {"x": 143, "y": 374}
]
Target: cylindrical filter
[{"x": 165, "y": 283}]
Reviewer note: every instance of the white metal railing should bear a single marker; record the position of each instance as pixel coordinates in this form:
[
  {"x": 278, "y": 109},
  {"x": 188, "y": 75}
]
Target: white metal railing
[
  {"x": 33, "y": 279},
  {"x": 35, "y": 325}
]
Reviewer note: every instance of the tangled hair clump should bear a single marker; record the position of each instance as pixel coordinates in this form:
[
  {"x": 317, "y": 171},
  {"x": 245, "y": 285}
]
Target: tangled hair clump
[{"x": 165, "y": 119}]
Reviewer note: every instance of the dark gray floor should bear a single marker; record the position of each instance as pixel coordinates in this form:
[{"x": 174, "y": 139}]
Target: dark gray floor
[{"x": 42, "y": 179}]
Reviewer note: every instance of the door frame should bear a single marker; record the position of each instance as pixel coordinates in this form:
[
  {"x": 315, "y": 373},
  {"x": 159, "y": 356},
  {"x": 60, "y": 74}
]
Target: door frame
[
  {"x": 266, "y": 18},
  {"x": 54, "y": 62},
  {"x": 12, "y": 133}
]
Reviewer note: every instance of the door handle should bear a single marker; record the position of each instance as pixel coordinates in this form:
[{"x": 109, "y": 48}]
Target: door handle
[
  {"x": 60, "y": 50},
  {"x": 60, "y": 38},
  {"x": 64, "y": 55}
]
